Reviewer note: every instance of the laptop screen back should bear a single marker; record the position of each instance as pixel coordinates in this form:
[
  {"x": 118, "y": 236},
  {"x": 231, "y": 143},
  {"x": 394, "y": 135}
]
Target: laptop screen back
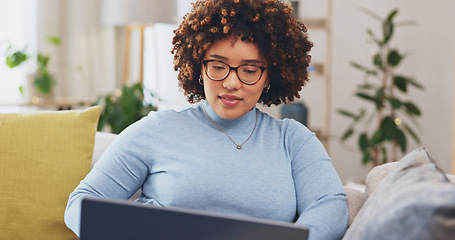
[{"x": 115, "y": 220}]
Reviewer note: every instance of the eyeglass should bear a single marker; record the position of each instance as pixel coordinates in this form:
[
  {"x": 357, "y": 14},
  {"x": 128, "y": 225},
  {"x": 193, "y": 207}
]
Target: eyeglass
[{"x": 247, "y": 74}]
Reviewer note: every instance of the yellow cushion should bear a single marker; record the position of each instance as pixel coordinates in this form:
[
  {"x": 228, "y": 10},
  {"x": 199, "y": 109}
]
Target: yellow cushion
[{"x": 43, "y": 157}]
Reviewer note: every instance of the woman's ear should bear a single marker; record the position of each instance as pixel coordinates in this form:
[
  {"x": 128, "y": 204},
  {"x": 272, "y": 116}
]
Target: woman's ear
[
  {"x": 202, "y": 71},
  {"x": 267, "y": 81}
]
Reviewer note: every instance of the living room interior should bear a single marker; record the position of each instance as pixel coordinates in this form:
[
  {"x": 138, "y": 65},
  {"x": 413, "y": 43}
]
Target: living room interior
[
  {"x": 99, "y": 53},
  {"x": 90, "y": 62}
]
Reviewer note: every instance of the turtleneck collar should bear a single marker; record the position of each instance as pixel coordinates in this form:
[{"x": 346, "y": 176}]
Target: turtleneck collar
[{"x": 239, "y": 125}]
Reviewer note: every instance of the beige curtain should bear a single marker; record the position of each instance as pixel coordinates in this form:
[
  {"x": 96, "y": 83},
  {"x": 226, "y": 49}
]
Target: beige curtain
[{"x": 85, "y": 63}]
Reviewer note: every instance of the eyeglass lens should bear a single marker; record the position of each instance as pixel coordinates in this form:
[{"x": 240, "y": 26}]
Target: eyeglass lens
[{"x": 247, "y": 73}]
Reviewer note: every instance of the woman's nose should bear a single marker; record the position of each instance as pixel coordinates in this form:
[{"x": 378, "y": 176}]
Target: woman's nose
[{"x": 232, "y": 81}]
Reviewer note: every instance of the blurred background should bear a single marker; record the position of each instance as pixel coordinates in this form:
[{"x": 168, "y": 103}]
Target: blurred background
[{"x": 96, "y": 48}]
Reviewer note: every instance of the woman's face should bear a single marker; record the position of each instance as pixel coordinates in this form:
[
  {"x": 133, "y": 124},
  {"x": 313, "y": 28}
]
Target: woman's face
[{"x": 230, "y": 98}]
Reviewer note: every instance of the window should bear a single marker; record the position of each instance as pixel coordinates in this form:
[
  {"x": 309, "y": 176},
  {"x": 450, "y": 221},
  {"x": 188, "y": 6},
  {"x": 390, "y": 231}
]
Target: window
[
  {"x": 159, "y": 75},
  {"x": 16, "y": 18}
]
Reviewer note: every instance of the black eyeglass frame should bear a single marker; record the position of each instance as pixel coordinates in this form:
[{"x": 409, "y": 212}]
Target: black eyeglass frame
[{"x": 204, "y": 62}]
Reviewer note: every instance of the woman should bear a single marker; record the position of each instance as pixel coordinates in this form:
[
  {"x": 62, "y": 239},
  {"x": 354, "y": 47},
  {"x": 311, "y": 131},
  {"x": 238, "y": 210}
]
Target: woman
[{"x": 222, "y": 154}]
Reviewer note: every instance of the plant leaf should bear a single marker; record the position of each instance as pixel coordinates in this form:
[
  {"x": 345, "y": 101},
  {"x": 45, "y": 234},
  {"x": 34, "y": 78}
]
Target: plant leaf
[
  {"x": 388, "y": 127},
  {"x": 366, "y": 158},
  {"x": 366, "y": 86},
  {"x": 347, "y": 134},
  {"x": 363, "y": 142},
  {"x": 412, "y": 118},
  {"x": 377, "y": 137},
  {"x": 54, "y": 40},
  {"x": 391, "y": 15},
  {"x": 376, "y": 100},
  {"x": 374, "y": 38},
  {"x": 401, "y": 140},
  {"x": 363, "y": 68},
  {"x": 121, "y": 110},
  {"x": 377, "y": 60},
  {"x": 44, "y": 82},
  {"x": 395, "y": 103},
  {"x": 384, "y": 154},
  {"x": 42, "y": 62},
  {"x": 371, "y": 14},
  {"x": 401, "y": 83},
  {"x": 412, "y": 133},
  {"x": 394, "y": 58},
  {"x": 387, "y": 31},
  {"x": 388, "y": 26},
  {"x": 16, "y": 59},
  {"x": 412, "y": 108},
  {"x": 414, "y": 83},
  {"x": 366, "y": 97},
  {"x": 347, "y": 113},
  {"x": 380, "y": 94}
]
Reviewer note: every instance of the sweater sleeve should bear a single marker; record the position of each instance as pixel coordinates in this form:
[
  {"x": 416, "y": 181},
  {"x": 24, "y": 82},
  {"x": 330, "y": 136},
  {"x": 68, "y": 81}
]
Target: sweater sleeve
[
  {"x": 118, "y": 174},
  {"x": 321, "y": 200}
]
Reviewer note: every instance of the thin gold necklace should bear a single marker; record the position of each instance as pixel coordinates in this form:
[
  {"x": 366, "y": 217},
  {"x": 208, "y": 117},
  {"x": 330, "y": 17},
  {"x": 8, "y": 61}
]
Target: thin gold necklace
[{"x": 239, "y": 146}]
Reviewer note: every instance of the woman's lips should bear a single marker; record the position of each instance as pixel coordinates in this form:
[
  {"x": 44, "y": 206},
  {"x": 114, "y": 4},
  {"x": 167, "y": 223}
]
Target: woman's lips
[{"x": 230, "y": 100}]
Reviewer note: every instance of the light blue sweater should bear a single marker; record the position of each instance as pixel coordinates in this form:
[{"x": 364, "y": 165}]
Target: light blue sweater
[{"x": 182, "y": 159}]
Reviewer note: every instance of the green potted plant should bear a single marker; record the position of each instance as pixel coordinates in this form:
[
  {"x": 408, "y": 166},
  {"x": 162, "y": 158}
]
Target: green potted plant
[
  {"x": 123, "y": 107},
  {"x": 42, "y": 80},
  {"x": 383, "y": 129}
]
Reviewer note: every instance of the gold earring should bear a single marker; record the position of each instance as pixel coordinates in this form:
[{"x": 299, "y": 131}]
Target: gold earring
[
  {"x": 201, "y": 81},
  {"x": 267, "y": 88}
]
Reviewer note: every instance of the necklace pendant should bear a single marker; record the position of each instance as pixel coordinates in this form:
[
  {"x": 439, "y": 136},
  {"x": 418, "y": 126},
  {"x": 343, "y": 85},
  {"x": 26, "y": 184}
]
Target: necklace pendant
[{"x": 239, "y": 147}]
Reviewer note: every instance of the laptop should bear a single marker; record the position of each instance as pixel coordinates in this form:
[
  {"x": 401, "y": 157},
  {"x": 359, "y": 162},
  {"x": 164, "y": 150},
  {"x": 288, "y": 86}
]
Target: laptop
[{"x": 115, "y": 220}]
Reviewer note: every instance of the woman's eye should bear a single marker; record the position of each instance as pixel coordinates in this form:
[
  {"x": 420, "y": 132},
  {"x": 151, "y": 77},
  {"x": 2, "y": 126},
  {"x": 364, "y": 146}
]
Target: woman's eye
[
  {"x": 250, "y": 70},
  {"x": 218, "y": 67}
]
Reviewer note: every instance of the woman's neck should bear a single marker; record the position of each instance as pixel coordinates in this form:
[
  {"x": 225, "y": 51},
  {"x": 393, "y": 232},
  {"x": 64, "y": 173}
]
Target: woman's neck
[{"x": 244, "y": 123}]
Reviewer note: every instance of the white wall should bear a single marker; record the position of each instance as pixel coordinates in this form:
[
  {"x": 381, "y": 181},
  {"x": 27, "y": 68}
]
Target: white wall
[
  {"x": 20, "y": 33},
  {"x": 431, "y": 62}
]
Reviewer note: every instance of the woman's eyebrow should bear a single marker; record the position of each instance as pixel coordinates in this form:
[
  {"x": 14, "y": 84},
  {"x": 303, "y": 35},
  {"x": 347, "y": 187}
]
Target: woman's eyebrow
[
  {"x": 218, "y": 56},
  {"x": 254, "y": 61}
]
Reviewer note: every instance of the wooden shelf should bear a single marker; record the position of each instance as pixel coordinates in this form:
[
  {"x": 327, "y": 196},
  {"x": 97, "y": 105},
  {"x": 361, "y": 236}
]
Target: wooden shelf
[
  {"x": 322, "y": 69},
  {"x": 317, "y": 69},
  {"x": 315, "y": 23}
]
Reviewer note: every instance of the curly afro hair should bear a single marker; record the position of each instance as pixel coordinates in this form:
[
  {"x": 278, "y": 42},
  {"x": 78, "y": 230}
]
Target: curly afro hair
[{"x": 281, "y": 39}]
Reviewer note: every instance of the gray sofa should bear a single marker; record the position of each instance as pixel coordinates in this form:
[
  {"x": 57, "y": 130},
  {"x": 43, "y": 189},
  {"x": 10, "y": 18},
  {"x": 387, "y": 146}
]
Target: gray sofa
[{"x": 409, "y": 199}]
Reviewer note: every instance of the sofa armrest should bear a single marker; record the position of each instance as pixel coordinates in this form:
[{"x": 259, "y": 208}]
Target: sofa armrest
[
  {"x": 102, "y": 141},
  {"x": 355, "y": 200}
]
